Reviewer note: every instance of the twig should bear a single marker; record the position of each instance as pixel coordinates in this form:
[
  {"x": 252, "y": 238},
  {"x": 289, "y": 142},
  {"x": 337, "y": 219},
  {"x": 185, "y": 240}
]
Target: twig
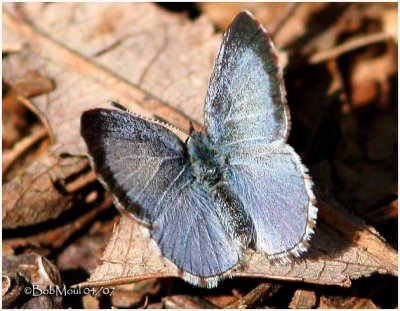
[
  {"x": 82, "y": 181},
  {"x": 348, "y": 46},
  {"x": 146, "y": 303},
  {"x": 384, "y": 213},
  {"x": 10, "y": 156},
  {"x": 28, "y": 104},
  {"x": 277, "y": 26},
  {"x": 55, "y": 238},
  {"x": 11, "y": 48},
  {"x": 255, "y": 295}
]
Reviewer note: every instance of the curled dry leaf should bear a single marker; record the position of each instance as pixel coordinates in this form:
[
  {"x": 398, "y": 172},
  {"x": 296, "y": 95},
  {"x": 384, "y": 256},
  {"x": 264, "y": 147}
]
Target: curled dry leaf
[
  {"x": 33, "y": 196},
  {"x": 33, "y": 271},
  {"x": 71, "y": 257},
  {"x": 133, "y": 295}
]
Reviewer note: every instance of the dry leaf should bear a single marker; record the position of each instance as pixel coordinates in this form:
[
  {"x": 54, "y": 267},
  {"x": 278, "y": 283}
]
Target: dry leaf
[
  {"x": 327, "y": 302},
  {"x": 333, "y": 259},
  {"x": 141, "y": 71},
  {"x": 223, "y": 13},
  {"x": 303, "y": 299},
  {"x": 14, "y": 117},
  {"x": 32, "y": 197},
  {"x": 85, "y": 252},
  {"x": 186, "y": 302},
  {"x": 133, "y": 295},
  {"x": 54, "y": 238},
  {"x": 36, "y": 271}
]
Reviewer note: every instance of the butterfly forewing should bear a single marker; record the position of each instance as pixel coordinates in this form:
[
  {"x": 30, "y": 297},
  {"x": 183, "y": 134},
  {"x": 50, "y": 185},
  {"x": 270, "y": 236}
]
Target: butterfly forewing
[
  {"x": 137, "y": 159},
  {"x": 246, "y": 102}
]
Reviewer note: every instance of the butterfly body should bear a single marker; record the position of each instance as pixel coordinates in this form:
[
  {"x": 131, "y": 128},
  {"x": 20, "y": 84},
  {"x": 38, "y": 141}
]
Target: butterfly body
[
  {"x": 204, "y": 158},
  {"x": 209, "y": 166},
  {"x": 235, "y": 185}
]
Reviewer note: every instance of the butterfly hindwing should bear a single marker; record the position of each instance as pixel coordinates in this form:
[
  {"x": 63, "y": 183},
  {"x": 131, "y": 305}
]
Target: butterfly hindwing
[
  {"x": 191, "y": 234},
  {"x": 274, "y": 187}
]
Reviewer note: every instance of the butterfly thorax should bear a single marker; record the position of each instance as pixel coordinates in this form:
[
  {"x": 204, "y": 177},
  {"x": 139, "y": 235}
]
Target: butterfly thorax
[{"x": 203, "y": 156}]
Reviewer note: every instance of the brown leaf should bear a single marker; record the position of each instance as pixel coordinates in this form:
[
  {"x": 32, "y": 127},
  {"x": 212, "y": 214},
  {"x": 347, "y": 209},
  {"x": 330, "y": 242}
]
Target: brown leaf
[
  {"x": 268, "y": 14},
  {"x": 85, "y": 253},
  {"x": 371, "y": 77},
  {"x": 133, "y": 295},
  {"x": 37, "y": 271},
  {"x": 303, "y": 299},
  {"x": 14, "y": 117},
  {"x": 337, "y": 255},
  {"x": 110, "y": 57},
  {"x": 222, "y": 14},
  {"x": 32, "y": 197},
  {"x": 56, "y": 237},
  {"x": 335, "y": 302},
  {"x": 186, "y": 302},
  {"x": 90, "y": 302},
  {"x": 33, "y": 84}
]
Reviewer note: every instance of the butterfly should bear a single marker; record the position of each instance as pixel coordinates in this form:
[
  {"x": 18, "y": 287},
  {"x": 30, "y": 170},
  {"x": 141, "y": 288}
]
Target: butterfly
[{"x": 233, "y": 186}]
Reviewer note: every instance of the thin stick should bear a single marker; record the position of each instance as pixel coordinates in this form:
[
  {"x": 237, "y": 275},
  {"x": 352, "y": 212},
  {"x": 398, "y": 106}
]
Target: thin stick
[
  {"x": 11, "y": 48},
  {"x": 255, "y": 295},
  {"x": 10, "y": 156},
  {"x": 28, "y": 104},
  {"x": 278, "y": 25},
  {"x": 348, "y": 46}
]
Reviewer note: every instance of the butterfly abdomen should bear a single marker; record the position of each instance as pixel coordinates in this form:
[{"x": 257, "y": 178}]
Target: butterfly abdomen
[
  {"x": 208, "y": 167},
  {"x": 233, "y": 216}
]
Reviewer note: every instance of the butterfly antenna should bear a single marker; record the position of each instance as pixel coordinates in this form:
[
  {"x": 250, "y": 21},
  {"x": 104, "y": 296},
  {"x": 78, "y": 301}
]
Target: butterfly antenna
[
  {"x": 117, "y": 105},
  {"x": 123, "y": 108}
]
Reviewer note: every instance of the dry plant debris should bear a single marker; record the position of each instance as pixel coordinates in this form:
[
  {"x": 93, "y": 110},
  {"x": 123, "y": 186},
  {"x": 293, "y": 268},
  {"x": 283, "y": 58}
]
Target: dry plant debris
[{"x": 60, "y": 59}]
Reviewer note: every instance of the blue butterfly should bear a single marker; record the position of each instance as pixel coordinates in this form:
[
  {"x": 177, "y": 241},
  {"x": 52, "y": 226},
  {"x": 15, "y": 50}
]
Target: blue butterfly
[{"x": 233, "y": 186}]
